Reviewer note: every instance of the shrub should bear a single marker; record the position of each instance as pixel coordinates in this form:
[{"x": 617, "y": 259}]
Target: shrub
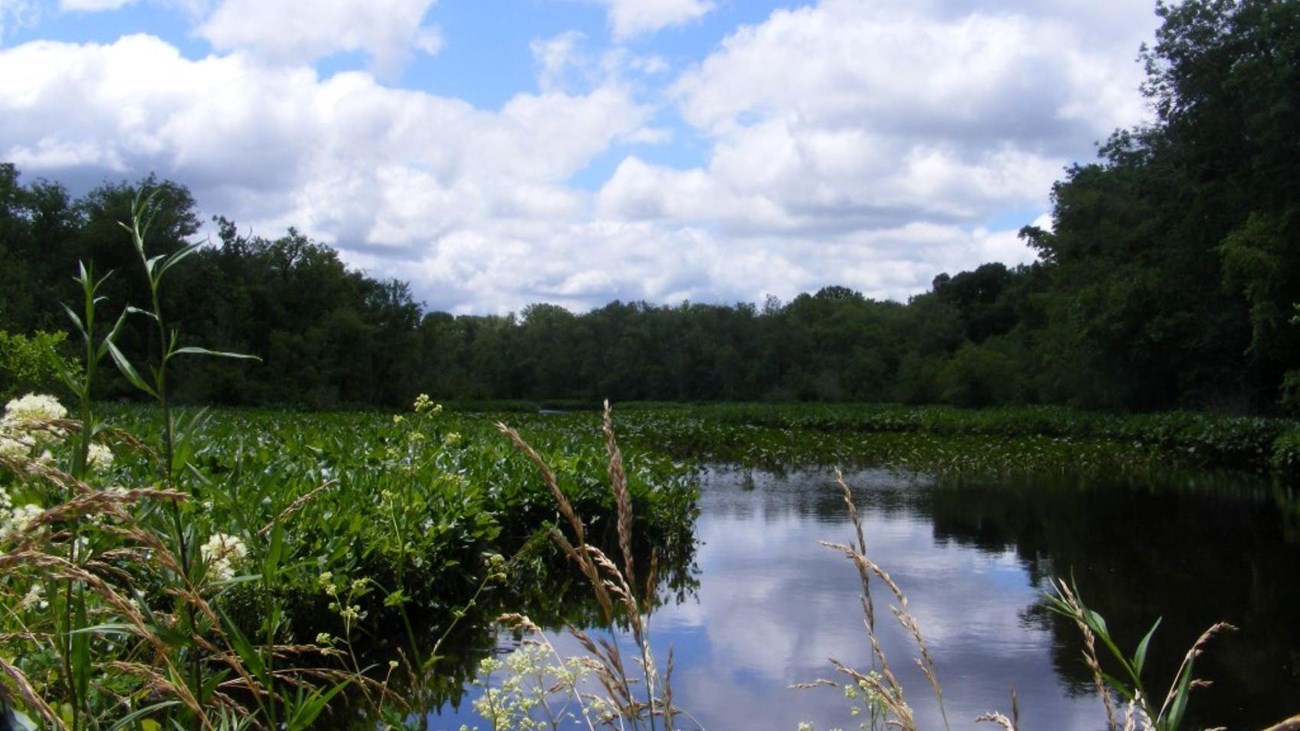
[
  {"x": 29, "y": 362},
  {"x": 1285, "y": 457}
]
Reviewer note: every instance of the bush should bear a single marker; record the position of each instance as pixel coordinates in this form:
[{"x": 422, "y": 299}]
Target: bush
[
  {"x": 979, "y": 376},
  {"x": 1285, "y": 458},
  {"x": 29, "y": 363}
]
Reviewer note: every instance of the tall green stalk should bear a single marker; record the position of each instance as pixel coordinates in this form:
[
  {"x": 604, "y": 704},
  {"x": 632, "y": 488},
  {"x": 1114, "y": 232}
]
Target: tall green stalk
[
  {"x": 143, "y": 210},
  {"x": 72, "y": 620}
]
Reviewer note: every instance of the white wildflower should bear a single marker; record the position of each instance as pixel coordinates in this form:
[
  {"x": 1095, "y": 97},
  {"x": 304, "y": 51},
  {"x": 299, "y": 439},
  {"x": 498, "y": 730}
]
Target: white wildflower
[
  {"x": 30, "y": 413},
  {"x": 34, "y": 407},
  {"x": 14, "y": 449},
  {"x": 223, "y": 552},
  {"x": 13, "y": 523},
  {"x": 424, "y": 405},
  {"x": 100, "y": 458}
]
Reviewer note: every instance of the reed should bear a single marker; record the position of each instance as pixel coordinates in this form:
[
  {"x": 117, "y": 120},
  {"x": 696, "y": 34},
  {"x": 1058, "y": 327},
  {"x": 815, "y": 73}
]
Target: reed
[{"x": 636, "y": 694}]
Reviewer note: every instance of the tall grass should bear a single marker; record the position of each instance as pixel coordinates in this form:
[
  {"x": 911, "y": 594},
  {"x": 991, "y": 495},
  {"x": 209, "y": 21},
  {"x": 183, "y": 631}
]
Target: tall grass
[
  {"x": 637, "y": 694},
  {"x": 119, "y": 619}
]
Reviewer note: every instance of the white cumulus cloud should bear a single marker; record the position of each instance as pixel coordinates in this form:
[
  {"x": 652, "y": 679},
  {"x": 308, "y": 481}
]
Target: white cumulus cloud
[
  {"x": 390, "y": 176},
  {"x": 871, "y": 145},
  {"x": 633, "y": 17},
  {"x": 294, "y": 31}
]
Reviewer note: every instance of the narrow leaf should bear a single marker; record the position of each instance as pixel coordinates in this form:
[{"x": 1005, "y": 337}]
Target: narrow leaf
[
  {"x": 128, "y": 370},
  {"x": 1140, "y": 656},
  {"x": 132, "y": 309},
  {"x": 1181, "y": 696},
  {"x": 152, "y": 262},
  {"x": 176, "y": 258},
  {"x": 146, "y": 724},
  {"x": 192, "y": 350},
  {"x": 247, "y": 653},
  {"x": 305, "y": 715},
  {"x": 76, "y": 320}
]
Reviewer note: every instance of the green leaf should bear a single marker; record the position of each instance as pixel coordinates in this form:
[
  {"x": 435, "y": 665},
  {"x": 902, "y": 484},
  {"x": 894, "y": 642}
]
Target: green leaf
[
  {"x": 274, "y": 552},
  {"x": 176, "y": 258},
  {"x": 210, "y": 684},
  {"x": 107, "y": 628},
  {"x": 132, "y": 309},
  {"x": 1119, "y": 687},
  {"x": 80, "y": 642},
  {"x": 309, "y": 708},
  {"x": 70, "y": 377},
  {"x": 1179, "y": 707},
  {"x": 146, "y": 724},
  {"x": 76, "y": 320},
  {"x": 151, "y": 262},
  {"x": 1140, "y": 656},
  {"x": 1096, "y": 621},
  {"x": 128, "y": 370},
  {"x": 112, "y": 334},
  {"x": 247, "y": 653},
  {"x": 192, "y": 350}
]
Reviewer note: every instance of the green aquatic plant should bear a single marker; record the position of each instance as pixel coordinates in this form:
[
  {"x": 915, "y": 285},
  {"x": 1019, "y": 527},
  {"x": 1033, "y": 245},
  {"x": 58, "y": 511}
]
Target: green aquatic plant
[{"x": 1140, "y": 708}]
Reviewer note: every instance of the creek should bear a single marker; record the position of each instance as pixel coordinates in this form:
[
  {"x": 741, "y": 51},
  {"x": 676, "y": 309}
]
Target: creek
[{"x": 974, "y": 557}]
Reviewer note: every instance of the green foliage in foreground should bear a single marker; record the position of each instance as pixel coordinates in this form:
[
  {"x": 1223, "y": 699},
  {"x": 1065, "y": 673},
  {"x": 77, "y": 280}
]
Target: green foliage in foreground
[
  {"x": 333, "y": 527},
  {"x": 410, "y": 501}
]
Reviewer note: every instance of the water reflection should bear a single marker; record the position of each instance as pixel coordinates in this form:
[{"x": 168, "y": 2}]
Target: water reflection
[{"x": 772, "y": 606}]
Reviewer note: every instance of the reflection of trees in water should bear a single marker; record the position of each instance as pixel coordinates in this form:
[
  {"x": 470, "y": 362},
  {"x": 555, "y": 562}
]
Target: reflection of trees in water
[
  {"x": 813, "y": 493},
  {"x": 1140, "y": 552},
  {"x": 543, "y": 585}
]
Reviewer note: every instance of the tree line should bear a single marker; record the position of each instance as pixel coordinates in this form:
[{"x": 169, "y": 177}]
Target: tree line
[{"x": 1168, "y": 280}]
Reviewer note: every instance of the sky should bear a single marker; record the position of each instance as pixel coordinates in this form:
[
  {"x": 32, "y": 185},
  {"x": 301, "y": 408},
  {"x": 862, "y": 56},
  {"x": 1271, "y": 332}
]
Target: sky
[{"x": 499, "y": 153}]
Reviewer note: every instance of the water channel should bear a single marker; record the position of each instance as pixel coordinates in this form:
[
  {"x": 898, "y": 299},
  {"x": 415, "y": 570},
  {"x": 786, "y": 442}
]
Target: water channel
[{"x": 974, "y": 557}]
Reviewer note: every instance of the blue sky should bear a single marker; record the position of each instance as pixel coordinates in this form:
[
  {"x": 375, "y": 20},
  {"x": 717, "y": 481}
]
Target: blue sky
[{"x": 496, "y": 153}]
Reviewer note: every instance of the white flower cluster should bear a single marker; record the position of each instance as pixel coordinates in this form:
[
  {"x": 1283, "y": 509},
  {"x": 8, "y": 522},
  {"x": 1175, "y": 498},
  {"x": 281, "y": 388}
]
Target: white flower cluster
[
  {"x": 25, "y": 428},
  {"x": 33, "y": 408},
  {"x": 223, "y": 552},
  {"x": 100, "y": 458},
  {"x": 14, "y": 449},
  {"x": 424, "y": 405},
  {"x": 13, "y": 521}
]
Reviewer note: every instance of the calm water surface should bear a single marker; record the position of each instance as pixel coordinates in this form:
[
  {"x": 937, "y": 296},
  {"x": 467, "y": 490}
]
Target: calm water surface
[{"x": 974, "y": 558}]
